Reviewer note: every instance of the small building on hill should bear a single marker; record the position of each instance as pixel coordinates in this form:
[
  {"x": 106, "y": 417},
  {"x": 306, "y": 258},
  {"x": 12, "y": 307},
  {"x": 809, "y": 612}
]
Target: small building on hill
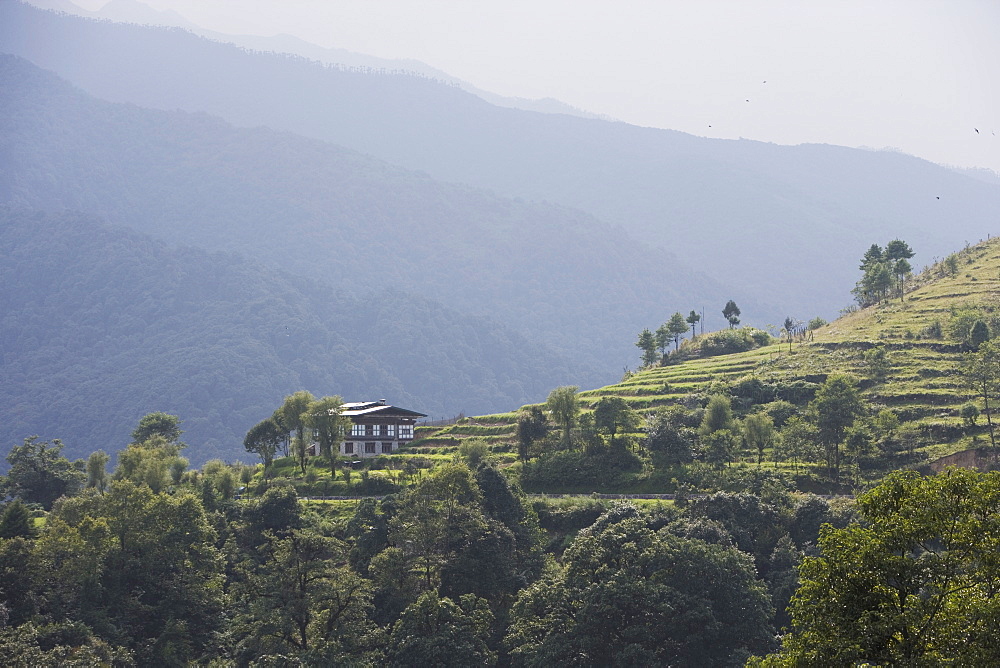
[{"x": 376, "y": 428}]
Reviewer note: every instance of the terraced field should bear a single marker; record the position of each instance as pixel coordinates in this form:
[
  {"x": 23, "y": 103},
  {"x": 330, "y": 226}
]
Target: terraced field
[{"x": 922, "y": 383}]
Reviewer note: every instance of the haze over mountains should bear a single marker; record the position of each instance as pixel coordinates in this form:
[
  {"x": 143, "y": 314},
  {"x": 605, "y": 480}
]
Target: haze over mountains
[
  {"x": 101, "y": 325},
  {"x": 551, "y": 239},
  {"x": 742, "y": 211}
]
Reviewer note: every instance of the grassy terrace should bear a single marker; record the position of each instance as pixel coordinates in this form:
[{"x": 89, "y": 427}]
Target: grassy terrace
[{"x": 923, "y": 385}]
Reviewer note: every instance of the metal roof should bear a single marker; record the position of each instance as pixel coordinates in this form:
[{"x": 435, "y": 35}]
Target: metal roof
[{"x": 356, "y": 408}]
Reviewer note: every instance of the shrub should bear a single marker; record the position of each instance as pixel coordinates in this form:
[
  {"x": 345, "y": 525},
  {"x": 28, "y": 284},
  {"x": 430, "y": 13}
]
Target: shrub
[{"x": 729, "y": 341}]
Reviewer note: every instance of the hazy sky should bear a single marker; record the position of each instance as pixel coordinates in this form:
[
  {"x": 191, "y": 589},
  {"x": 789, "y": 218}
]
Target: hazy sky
[{"x": 913, "y": 75}]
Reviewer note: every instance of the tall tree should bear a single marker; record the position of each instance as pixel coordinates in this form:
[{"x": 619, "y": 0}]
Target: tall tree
[
  {"x": 97, "y": 470},
  {"x": 531, "y": 426},
  {"x": 564, "y": 408},
  {"x": 901, "y": 268},
  {"x": 731, "y": 313},
  {"x": 647, "y": 344},
  {"x": 759, "y": 433},
  {"x": 981, "y": 371},
  {"x": 324, "y": 417},
  {"x": 836, "y": 405},
  {"x": 677, "y": 326},
  {"x": 692, "y": 320},
  {"x": 293, "y": 414}
]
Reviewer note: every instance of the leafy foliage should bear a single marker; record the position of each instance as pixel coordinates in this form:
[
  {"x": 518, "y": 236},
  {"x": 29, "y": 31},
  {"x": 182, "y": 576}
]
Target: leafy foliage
[{"x": 913, "y": 583}]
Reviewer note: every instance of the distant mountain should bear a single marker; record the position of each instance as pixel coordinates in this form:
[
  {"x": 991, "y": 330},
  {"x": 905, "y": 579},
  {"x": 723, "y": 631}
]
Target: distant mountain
[
  {"x": 556, "y": 275},
  {"x": 131, "y": 11},
  {"x": 788, "y": 224},
  {"x": 100, "y": 326}
]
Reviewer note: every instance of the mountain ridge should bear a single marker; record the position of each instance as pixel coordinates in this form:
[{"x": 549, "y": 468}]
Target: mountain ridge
[{"x": 728, "y": 207}]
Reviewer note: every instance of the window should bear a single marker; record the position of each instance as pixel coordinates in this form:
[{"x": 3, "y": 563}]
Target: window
[
  {"x": 378, "y": 430},
  {"x": 406, "y": 431},
  {"x": 369, "y": 430},
  {"x": 386, "y": 447},
  {"x": 390, "y": 430},
  {"x": 348, "y": 448},
  {"x": 357, "y": 430},
  {"x": 370, "y": 448}
]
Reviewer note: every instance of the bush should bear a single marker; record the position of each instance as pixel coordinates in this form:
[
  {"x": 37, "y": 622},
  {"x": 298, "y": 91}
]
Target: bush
[
  {"x": 579, "y": 471},
  {"x": 798, "y": 392},
  {"x": 729, "y": 341},
  {"x": 754, "y": 389}
]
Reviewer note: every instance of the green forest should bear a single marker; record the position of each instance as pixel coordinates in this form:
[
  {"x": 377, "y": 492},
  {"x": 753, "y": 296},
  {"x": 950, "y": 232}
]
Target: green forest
[
  {"x": 649, "y": 439},
  {"x": 790, "y": 503}
]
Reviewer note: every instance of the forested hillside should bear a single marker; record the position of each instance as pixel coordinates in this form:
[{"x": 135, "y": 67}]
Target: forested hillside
[
  {"x": 100, "y": 326},
  {"x": 557, "y": 276},
  {"x": 741, "y": 211}
]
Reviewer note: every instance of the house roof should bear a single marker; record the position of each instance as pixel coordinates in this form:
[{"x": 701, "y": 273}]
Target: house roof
[{"x": 371, "y": 408}]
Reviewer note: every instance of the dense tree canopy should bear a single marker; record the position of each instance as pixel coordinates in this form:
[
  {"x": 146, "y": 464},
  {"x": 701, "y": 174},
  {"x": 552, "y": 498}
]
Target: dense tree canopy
[
  {"x": 629, "y": 595},
  {"x": 915, "y": 582},
  {"x": 39, "y": 473}
]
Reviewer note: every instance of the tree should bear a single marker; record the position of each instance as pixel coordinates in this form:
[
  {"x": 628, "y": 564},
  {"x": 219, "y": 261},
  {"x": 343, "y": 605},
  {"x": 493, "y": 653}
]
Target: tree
[
  {"x": 143, "y": 566},
  {"x": 901, "y": 268},
  {"x": 874, "y": 286},
  {"x": 981, "y": 371},
  {"x": 15, "y": 520},
  {"x": 647, "y": 343},
  {"x": 718, "y": 415},
  {"x": 157, "y": 424},
  {"x": 718, "y": 447},
  {"x": 97, "y": 470},
  {"x": 435, "y": 631},
  {"x": 531, "y": 426},
  {"x": 677, "y": 326},
  {"x": 293, "y": 411},
  {"x": 877, "y": 361},
  {"x": 914, "y": 583},
  {"x": 40, "y": 474},
  {"x": 898, "y": 250},
  {"x": 564, "y": 408},
  {"x": 979, "y": 334},
  {"x": 872, "y": 257},
  {"x": 836, "y": 406},
  {"x": 692, "y": 320},
  {"x": 612, "y": 414},
  {"x": 264, "y": 439},
  {"x": 790, "y": 327},
  {"x": 301, "y": 600},
  {"x": 629, "y": 595},
  {"x": 329, "y": 427},
  {"x": 799, "y": 441},
  {"x": 666, "y": 439},
  {"x": 154, "y": 462},
  {"x": 731, "y": 313},
  {"x": 759, "y": 433},
  {"x": 663, "y": 338}
]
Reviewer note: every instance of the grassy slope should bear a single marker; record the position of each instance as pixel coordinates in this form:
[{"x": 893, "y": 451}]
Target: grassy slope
[{"x": 923, "y": 387}]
